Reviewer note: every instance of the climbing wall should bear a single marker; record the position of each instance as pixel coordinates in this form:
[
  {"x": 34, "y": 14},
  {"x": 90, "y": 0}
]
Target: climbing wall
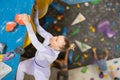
[
  {"x": 85, "y": 29},
  {"x": 15, "y": 38},
  {"x": 91, "y": 72}
]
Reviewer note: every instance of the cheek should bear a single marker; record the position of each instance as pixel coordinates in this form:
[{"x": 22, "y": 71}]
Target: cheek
[
  {"x": 51, "y": 39},
  {"x": 59, "y": 44}
]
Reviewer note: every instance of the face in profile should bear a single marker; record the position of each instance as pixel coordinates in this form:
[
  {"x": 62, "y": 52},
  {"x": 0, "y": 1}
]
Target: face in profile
[{"x": 57, "y": 42}]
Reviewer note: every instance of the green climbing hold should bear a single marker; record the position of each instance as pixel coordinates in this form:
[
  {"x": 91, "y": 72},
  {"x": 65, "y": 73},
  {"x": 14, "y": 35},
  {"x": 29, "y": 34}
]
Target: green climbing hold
[
  {"x": 76, "y": 58},
  {"x": 94, "y": 2},
  {"x": 84, "y": 69},
  {"x": 75, "y": 32},
  {"x": 83, "y": 46}
]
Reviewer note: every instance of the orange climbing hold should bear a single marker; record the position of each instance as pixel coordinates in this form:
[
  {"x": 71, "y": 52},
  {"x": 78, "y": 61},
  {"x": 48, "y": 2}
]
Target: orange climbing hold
[
  {"x": 18, "y": 19},
  {"x": 10, "y": 26}
]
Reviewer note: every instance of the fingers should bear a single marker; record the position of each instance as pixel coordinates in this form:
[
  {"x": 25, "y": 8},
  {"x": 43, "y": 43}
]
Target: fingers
[
  {"x": 94, "y": 49},
  {"x": 72, "y": 46},
  {"x": 25, "y": 18},
  {"x": 106, "y": 50}
]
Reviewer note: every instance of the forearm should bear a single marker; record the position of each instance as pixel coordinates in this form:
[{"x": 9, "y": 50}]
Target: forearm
[
  {"x": 66, "y": 56},
  {"x": 106, "y": 53},
  {"x": 95, "y": 55},
  {"x": 40, "y": 30},
  {"x": 33, "y": 38},
  {"x": 107, "y": 56}
]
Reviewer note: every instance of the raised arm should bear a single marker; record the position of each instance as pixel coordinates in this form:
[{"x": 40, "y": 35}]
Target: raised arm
[
  {"x": 66, "y": 57},
  {"x": 38, "y": 45},
  {"x": 106, "y": 54},
  {"x": 72, "y": 47},
  {"x": 40, "y": 30},
  {"x": 94, "y": 53}
]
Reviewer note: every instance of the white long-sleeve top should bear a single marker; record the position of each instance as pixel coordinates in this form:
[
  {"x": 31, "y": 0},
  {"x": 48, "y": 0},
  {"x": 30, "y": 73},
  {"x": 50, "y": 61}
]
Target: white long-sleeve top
[{"x": 45, "y": 55}]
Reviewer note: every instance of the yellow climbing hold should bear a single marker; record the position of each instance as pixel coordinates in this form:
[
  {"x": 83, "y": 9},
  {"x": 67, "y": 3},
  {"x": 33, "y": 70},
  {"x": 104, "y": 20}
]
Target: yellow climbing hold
[
  {"x": 111, "y": 67},
  {"x": 78, "y": 5},
  {"x": 102, "y": 39},
  {"x": 85, "y": 55},
  {"x": 86, "y": 40},
  {"x": 1, "y": 56},
  {"x": 106, "y": 76}
]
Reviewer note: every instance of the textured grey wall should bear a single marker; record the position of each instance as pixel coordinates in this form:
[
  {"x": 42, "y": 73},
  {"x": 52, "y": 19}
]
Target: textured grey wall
[{"x": 106, "y": 9}]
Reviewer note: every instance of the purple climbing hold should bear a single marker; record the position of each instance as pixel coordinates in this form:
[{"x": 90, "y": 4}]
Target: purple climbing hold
[
  {"x": 8, "y": 56},
  {"x": 101, "y": 75},
  {"x": 109, "y": 33},
  {"x": 91, "y": 78},
  {"x": 104, "y": 27}
]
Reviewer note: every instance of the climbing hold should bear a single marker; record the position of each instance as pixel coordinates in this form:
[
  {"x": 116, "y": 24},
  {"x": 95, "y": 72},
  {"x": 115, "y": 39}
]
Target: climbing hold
[
  {"x": 118, "y": 68},
  {"x": 104, "y": 26},
  {"x": 116, "y": 47},
  {"x": 75, "y": 32},
  {"x": 94, "y": 2},
  {"x": 82, "y": 46},
  {"x": 86, "y": 4},
  {"x": 10, "y": 26},
  {"x": 106, "y": 76},
  {"x": 78, "y": 5},
  {"x": 76, "y": 58},
  {"x": 64, "y": 31},
  {"x": 78, "y": 19},
  {"x": 1, "y": 57},
  {"x": 92, "y": 29},
  {"x": 18, "y": 19},
  {"x": 20, "y": 50},
  {"x": 55, "y": 21},
  {"x": 84, "y": 69},
  {"x": 58, "y": 7},
  {"x": 2, "y": 47},
  {"x": 67, "y": 7},
  {"x": 91, "y": 78},
  {"x": 86, "y": 40},
  {"x": 115, "y": 62},
  {"x": 111, "y": 67},
  {"x": 59, "y": 17},
  {"x": 8, "y": 56},
  {"x": 48, "y": 21},
  {"x": 102, "y": 39},
  {"x": 57, "y": 28},
  {"x": 108, "y": 4},
  {"x": 78, "y": 64},
  {"x": 85, "y": 55},
  {"x": 70, "y": 57}
]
